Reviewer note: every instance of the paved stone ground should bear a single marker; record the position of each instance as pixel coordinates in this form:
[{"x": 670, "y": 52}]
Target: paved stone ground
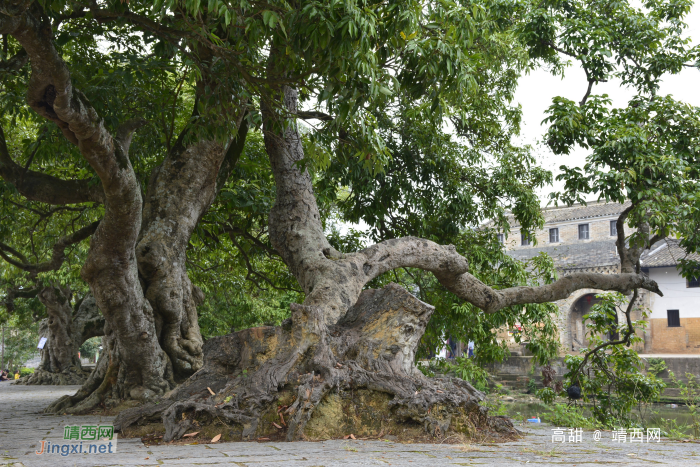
[{"x": 22, "y": 427}]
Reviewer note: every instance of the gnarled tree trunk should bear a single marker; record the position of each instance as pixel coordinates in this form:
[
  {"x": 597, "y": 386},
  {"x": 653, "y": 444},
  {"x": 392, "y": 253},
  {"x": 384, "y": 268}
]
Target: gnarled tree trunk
[
  {"x": 66, "y": 330},
  {"x": 307, "y": 379}
]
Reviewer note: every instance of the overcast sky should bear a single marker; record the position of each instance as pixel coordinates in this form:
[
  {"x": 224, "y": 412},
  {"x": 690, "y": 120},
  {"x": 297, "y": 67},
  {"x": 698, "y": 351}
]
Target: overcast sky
[{"x": 535, "y": 93}]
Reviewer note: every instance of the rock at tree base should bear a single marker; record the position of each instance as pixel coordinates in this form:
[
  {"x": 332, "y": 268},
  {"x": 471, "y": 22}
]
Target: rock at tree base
[{"x": 317, "y": 381}]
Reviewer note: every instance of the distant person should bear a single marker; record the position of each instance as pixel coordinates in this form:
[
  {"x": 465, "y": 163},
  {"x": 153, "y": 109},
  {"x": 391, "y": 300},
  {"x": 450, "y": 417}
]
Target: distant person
[
  {"x": 452, "y": 348},
  {"x": 3, "y": 375},
  {"x": 470, "y": 349},
  {"x": 17, "y": 375}
]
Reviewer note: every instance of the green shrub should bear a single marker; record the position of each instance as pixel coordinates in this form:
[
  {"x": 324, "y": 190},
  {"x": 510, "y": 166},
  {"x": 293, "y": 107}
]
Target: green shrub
[
  {"x": 25, "y": 372},
  {"x": 462, "y": 367},
  {"x": 656, "y": 366},
  {"x": 612, "y": 378},
  {"x": 496, "y": 407},
  {"x": 546, "y": 395},
  {"x": 570, "y": 416},
  {"x": 690, "y": 393},
  {"x": 531, "y": 386}
]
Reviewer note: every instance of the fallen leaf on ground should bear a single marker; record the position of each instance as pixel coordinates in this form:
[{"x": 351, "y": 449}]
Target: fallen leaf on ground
[
  {"x": 352, "y": 436},
  {"x": 190, "y": 434},
  {"x": 276, "y": 425},
  {"x": 216, "y": 438},
  {"x": 212, "y": 392}
]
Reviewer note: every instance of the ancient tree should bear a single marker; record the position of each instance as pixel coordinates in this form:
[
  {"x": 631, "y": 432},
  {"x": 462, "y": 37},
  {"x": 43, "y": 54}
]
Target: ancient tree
[
  {"x": 253, "y": 66},
  {"x": 65, "y": 329}
]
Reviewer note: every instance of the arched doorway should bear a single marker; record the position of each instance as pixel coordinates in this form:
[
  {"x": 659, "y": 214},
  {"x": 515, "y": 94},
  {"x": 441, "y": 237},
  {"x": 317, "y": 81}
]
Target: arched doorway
[{"x": 577, "y": 325}]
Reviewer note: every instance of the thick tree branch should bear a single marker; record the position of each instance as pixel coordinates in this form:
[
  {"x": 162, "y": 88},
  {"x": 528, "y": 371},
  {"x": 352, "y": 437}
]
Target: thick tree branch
[
  {"x": 58, "y": 256},
  {"x": 16, "y": 63},
  {"x": 450, "y": 268},
  {"x": 13, "y": 293},
  {"x": 314, "y": 115},
  {"x": 52, "y": 95},
  {"x": 231, "y": 230},
  {"x": 37, "y": 186},
  {"x": 626, "y": 262},
  {"x": 126, "y": 131}
]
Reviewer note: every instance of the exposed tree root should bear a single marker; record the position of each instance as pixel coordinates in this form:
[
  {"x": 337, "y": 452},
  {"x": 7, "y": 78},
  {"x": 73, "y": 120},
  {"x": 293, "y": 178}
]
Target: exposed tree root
[
  {"x": 68, "y": 377},
  {"x": 309, "y": 380}
]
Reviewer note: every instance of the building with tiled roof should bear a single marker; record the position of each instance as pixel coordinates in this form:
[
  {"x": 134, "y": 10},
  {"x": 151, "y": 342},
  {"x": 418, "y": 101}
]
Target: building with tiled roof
[
  {"x": 674, "y": 319},
  {"x": 582, "y": 239},
  {"x": 594, "y": 210},
  {"x": 666, "y": 253}
]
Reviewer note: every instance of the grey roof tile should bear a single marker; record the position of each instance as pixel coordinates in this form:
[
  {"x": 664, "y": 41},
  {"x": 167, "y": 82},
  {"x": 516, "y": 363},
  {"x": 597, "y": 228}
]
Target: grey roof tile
[
  {"x": 574, "y": 255},
  {"x": 667, "y": 252},
  {"x": 569, "y": 213}
]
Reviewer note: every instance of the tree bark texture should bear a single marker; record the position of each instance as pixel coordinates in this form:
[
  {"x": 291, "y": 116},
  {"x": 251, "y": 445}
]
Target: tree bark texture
[
  {"x": 66, "y": 330},
  {"x": 315, "y": 380},
  {"x": 179, "y": 193}
]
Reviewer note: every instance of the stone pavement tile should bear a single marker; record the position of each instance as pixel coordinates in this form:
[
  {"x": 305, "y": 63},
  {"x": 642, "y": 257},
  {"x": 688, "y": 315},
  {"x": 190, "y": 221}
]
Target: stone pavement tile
[{"x": 21, "y": 433}]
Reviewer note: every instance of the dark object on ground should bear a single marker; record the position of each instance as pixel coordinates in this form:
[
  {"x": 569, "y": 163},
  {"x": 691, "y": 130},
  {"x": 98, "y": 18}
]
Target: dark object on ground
[{"x": 574, "y": 392}]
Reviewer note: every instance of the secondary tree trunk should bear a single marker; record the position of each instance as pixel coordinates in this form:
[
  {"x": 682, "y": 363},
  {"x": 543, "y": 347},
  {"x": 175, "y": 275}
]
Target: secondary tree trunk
[
  {"x": 136, "y": 262},
  {"x": 179, "y": 193},
  {"x": 66, "y": 330},
  {"x": 149, "y": 356}
]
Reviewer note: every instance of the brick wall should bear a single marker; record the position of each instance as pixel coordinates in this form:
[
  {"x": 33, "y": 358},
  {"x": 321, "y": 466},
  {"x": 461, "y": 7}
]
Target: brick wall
[{"x": 683, "y": 339}]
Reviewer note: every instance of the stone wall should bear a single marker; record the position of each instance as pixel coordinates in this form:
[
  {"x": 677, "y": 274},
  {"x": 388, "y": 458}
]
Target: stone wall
[
  {"x": 515, "y": 372},
  {"x": 568, "y": 233},
  {"x": 565, "y": 308}
]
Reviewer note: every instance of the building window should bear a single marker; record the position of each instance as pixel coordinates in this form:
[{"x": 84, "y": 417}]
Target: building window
[
  {"x": 674, "y": 321},
  {"x": 613, "y": 228},
  {"x": 553, "y": 235},
  {"x": 692, "y": 283},
  {"x": 501, "y": 239},
  {"x": 524, "y": 238},
  {"x": 583, "y": 232}
]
